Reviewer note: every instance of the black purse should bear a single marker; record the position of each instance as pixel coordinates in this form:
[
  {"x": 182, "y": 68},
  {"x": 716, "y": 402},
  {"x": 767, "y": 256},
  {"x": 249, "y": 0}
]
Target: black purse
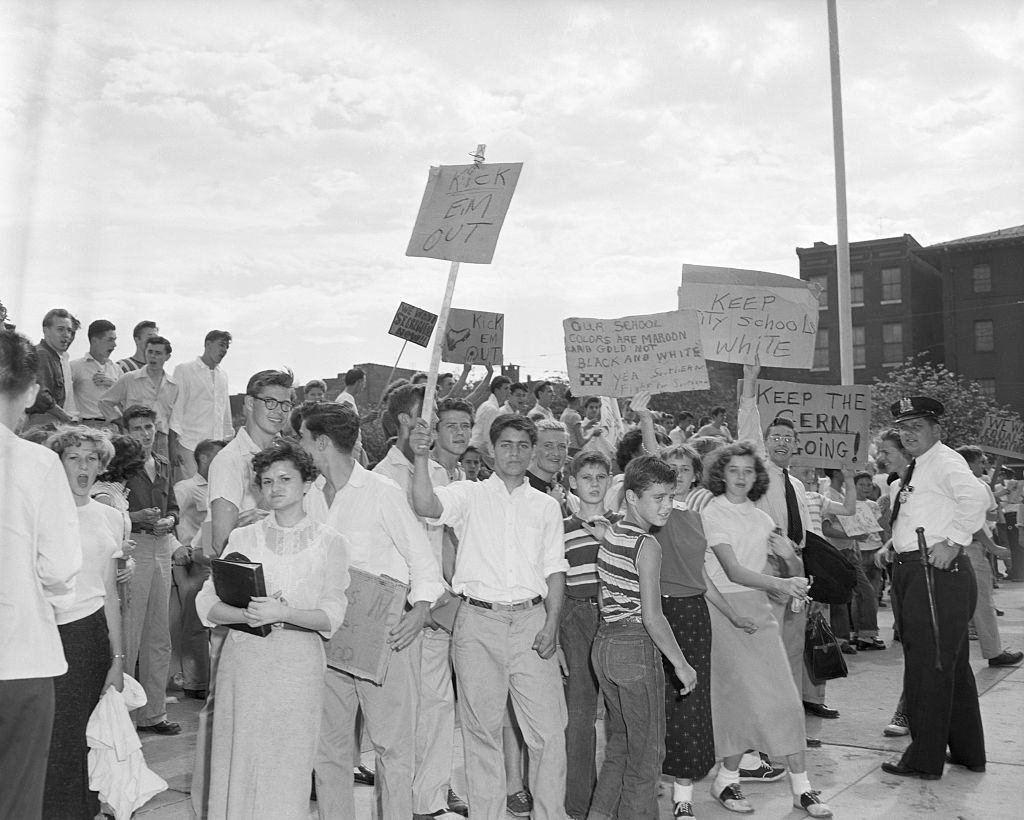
[{"x": 824, "y": 658}]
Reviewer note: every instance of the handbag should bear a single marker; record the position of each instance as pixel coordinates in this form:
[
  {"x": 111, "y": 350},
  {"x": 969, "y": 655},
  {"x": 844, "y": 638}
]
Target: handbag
[
  {"x": 834, "y": 575},
  {"x": 822, "y": 654}
]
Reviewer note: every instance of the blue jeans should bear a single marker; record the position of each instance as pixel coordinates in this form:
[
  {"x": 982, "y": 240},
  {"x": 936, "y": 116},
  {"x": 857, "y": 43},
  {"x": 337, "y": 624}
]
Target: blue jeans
[
  {"x": 577, "y": 630},
  {"x": 632, "y": 679}
]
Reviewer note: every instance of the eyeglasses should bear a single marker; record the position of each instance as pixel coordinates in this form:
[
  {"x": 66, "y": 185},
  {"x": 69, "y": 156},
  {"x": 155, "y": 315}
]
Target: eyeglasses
[
  {"x": 273, "y": 404},
  {"x": 776, "y": 439}
]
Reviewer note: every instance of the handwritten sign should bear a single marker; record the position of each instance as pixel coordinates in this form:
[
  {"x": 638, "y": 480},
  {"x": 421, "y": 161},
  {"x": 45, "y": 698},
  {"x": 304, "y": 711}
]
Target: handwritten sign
[
  {"x": 660, "y": 352},
  {"x": 1002, "y": 436},
  {"x": 462, "y": 211},
  {"x": 413, "y": 324},
  {"x": 832, "y": 423},
  {"x": 360, "y": 646},
  {"x": 748, "y": 314},
  {"x": 473, "y": 337}
]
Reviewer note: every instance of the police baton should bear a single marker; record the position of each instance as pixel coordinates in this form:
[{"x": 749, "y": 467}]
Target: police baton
[{"x": 922, "y": 547}]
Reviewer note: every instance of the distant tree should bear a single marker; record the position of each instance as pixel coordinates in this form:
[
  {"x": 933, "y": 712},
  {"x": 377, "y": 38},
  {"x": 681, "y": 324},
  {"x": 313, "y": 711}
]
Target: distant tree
[{"x": 965, "y": 402}]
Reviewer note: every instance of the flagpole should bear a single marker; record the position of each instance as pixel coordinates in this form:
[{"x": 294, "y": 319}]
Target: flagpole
[{"x": 843, "y": 241}]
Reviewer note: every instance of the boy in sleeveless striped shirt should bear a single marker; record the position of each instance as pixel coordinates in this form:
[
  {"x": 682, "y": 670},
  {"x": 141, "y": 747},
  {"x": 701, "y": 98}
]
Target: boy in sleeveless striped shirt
[{"x": 633, "y": 636}]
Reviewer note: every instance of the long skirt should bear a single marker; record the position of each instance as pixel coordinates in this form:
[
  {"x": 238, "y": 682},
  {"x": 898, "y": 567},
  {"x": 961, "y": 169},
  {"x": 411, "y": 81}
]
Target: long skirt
[
  {"x": 269, "y": 699},
  {"x": 754, "y": 701},
  {"x": 76, "y": 693},
  {"x": 689, "y": 736}
]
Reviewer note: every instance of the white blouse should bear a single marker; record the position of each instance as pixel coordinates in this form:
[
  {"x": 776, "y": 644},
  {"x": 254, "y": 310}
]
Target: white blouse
[
  {"x": 306, "y": 564},
  {"x": 743, "y": 527}
]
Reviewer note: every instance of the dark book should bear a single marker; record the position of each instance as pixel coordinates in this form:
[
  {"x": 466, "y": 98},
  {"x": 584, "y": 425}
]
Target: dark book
[{"x": 236, "y": 580}]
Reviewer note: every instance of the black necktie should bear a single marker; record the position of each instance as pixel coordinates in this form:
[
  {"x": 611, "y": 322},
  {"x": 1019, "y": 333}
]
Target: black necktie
[
  {"x": 795, "y": 527},
  {"x": 903, "y": 485}
]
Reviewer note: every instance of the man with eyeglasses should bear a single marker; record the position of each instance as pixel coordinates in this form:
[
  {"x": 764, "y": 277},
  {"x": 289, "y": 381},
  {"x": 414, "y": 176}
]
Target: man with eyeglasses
[{"x": 234, "y": 502}]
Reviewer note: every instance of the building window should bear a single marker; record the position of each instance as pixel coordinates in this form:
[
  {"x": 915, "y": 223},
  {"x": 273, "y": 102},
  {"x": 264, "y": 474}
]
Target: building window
[
  {"x": 892, "y": 343},
  {"x": 859, "y": 354},
  {"x": 988, "y": 387},
  {"x": 821, "y": 350},
  {"x": 984, "y": 336},
  {"x": 856, "y": 289},
  {"x": 982, "y": 278},
  {"x": 892, "y": 290},
  {"x": 822, "y": 282}
]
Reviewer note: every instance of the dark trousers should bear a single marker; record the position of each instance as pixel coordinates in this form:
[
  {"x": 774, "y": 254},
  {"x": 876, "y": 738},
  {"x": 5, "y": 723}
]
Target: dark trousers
[
  {"x": 26, "y": 720},
  {"x": 1012, "y": 541},
  {"x": 577, "y": 629},
  {"x": 941, "y": 706}
]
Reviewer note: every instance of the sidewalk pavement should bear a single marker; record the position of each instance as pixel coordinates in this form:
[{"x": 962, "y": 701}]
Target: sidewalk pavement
[{"x": 845, "y": 769}]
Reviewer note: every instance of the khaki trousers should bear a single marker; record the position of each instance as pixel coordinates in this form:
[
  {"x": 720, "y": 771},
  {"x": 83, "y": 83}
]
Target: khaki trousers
[
  {"x": 146, "y": 628},
  {"x": 435, "y": 724}
]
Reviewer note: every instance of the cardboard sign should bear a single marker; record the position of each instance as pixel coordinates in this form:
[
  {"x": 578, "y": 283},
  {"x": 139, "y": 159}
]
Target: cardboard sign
[
  {"x": 413, "y": 324},
  {"x": 750, "y": 314},
  {"x": 660, "y": 352},
  {"x": 473, "y": 337},
  {"x": 1002, "y": 436},
  {"x": 832, "y": 423},
  {"x": 375, "y": 605},
  {"x": 462, "y": 211}
]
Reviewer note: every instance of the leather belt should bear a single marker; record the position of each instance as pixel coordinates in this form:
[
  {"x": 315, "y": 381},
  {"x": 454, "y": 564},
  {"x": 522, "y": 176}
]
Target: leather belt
[
  {"x": 914, "y": 557},
  {"x": 516, "y": 607}
]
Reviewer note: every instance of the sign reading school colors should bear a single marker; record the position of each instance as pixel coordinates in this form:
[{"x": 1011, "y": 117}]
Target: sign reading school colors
[
  {"x": 750, "y": 316},
  {"x": 1002, "y": 436},
  {"x": 413, "y": 324},
  {"x": 473, "y": 337},
  {"x": 832, "y": 422},
  {"x": 660, "y": 352},
  {"x": 462, "y": 211}
]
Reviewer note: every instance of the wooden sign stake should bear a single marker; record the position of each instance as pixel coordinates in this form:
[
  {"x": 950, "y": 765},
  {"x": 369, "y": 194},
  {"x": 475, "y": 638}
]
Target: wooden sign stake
[{"x": 427, "y": 410}]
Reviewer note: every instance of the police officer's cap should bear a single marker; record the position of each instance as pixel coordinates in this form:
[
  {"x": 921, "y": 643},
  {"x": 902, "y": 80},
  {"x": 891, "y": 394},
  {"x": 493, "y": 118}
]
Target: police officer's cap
[{"x": 916, "y": 407}]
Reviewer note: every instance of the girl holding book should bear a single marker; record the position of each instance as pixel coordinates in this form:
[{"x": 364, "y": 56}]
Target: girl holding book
[{"x": 270, "y": 689}]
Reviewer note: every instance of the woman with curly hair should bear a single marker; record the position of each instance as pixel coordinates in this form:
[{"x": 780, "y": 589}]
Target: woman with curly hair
[
  {"x": 110, "y": 486},
  {"x": 270, "y": 689},
  {"x": 754, "y": 701}
]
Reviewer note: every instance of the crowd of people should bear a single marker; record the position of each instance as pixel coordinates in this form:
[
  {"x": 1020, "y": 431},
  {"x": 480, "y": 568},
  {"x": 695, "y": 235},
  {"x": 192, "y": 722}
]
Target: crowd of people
[{"x": 615, "y": 555}]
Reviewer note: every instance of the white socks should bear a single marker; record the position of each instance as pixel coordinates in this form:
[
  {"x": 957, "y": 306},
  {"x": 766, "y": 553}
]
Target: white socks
[
  {"x": 799, "y": 783},
  {"x": 726, "y": 777},
  {"x": 684, "y": 794}
]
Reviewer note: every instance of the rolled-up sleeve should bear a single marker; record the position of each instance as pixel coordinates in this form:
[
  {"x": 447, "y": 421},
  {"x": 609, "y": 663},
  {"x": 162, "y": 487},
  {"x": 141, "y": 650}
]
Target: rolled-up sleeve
[
  {"x": 454, "y": 502},
  {"x": 333, "y": 600},
  {"x": 411, "y": 541}
]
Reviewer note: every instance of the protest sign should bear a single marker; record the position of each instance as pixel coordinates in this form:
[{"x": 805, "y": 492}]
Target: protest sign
[
  {"x": 462, "y": 211},
  {"x": 750, "y": 316},
  {"x": 375, "y": 605},
  {"x": 660, "y": 352},
  {"x": 1002, "y": 436},
  {"x": 413, "y": 324},
  {"x": 473, "y": 337},
  {"x": 832, "y": 422}
]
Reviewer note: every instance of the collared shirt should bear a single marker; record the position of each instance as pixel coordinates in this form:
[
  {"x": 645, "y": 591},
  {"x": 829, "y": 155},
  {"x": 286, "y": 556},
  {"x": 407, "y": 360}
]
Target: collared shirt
[
  {"x": 138, "y": 388},
  {"x": 202, "y": 409},
  {"x": 39, "y": 559},
  {"x": 231, "y": 477},
  {"x": 399, "y": 469},
  {"x": 509, "y": 542},
  {"x": 383, "y": 534},
  {"x": 344, "y": 397},
  {"x": 87, "y": 394},
  {"x": 144, "y": 493},
  {"x": 944, "y": 497},
  {"x": 52, "y": 385},
  {"x": 191, "y": 495},
  {"x": 772, "y": 502},
  {"x": 70, "y": 405},
  {"x": 537, "y": 412},
  {"x": 485, "y": 416}
]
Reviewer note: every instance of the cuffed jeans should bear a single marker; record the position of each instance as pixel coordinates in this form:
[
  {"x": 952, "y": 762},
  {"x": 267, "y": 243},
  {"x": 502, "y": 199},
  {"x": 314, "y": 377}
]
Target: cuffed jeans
[
  {"x": 632, "y": 679},
  {"x": 578, "y": 628},
  {"x": 494, "y": 658}
]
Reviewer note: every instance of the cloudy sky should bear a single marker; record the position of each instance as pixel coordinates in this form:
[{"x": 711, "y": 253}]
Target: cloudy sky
[{"x": 257, "y": 166}]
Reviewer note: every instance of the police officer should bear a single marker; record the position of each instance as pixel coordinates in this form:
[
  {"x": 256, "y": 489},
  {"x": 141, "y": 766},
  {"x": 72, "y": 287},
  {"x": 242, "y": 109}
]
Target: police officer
[{"x": 937, "y": 594}]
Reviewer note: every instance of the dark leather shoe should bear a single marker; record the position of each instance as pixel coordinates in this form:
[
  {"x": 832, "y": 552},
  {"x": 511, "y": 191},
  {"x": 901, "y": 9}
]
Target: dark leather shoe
[
  {"x": 847, "y": 648},
  {"x": 821, "y": 710},
  {"x": 978, "y": 767},
  {"x": 813, "y": 743},
  {"x": 162, "y": 728},
  {"x": 1006, "y": 658},
  {"x": 871, "y": 643},
  {"x": 195, "y": 694},
  {"x": 363, "y": 776},
  {"x": 897, "y": 767}
]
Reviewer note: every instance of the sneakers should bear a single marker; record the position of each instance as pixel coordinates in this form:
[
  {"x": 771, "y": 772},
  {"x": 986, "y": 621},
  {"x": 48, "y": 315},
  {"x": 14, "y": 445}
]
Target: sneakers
[
  {"x": 457, "y": 804},
  {"x": 519, "y": 804},
  {"x": 765, "y": 773},
  {"x": 899, "y": 726},
  {"x": 682, "y": 809},
  {"x": 731, "y": 797},
  {"x": 362, "y": 776},
  {"x": 1006, "y": 658},
  {"x": 811, "y": 803}
]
